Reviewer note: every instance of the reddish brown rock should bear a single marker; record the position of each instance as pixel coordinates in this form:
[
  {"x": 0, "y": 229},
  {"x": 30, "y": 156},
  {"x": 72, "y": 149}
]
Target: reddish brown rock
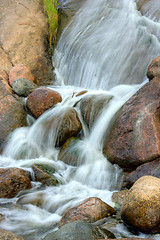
[
  {"x": 12, "y": 181},
  {"x": 91, "y": 107},
  {"x": 24, "y": 40},
  {"x": 20, "y": 71},
  {"x": 12, "y": 116},
  {"x": 7, "y": 235},
  {"x": 154, "y": 69},
  {"x": 151, "y": 168},
  {"x": 141, "y": 208},
  {"x": 92, "y": 210},
  {"x": 5, "y": 89},
  {"x": 42, "y": 99},
  {"x": 134, "y": 138}
]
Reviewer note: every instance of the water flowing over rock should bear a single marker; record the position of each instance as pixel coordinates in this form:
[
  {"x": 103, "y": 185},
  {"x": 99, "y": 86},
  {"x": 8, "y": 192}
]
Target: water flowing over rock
[
  {"x": 91, "y": 107},
  {"x": 154, "y": 69},
  {"x": 70, "y": 152},
  {"x": 41, "y": 100},
  {"x": 134, "y": 137},
  {"x": 20, "y": 71},
  {"x": 23, "y": 87},
  {"x": 92, "y": 210},
  {"x": 140, "y": 208},
  {"x": 151, "y": 168},
  {"x": 67, "y": 124},
  {"x": 79, "y": 230},
  {"x": 12, "y": 181},
  {"x": 7, "y": 235}
]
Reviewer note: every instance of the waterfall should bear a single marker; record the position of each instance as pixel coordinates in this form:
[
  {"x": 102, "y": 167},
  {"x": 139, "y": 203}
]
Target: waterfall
[
  {"x": 107, "y": 43},
  {"x": 106, "y": 49}
]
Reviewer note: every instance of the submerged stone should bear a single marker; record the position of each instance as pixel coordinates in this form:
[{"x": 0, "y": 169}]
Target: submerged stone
[
  {"x": 91, "y": 107},
  {"x": 134, "y": 138},
  {"x": 69, "y": 152}
]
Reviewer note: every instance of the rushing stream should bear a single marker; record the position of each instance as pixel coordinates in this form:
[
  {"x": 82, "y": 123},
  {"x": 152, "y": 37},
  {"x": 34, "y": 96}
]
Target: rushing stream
[{"x": 105, "y": 49}]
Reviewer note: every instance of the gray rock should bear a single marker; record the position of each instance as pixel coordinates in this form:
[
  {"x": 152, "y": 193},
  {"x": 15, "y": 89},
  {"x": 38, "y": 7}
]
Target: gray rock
[
  {"x": 79, "y": 230},
  {"x": 23, "y": 87}
]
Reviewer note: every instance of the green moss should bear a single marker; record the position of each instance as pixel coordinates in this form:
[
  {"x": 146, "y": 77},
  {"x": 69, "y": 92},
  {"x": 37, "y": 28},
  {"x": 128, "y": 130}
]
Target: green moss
[{"x": 51, "y": 9}]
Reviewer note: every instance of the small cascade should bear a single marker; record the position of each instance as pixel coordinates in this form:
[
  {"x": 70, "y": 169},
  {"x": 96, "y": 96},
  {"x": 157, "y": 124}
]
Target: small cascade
[{"x": 105, "y": 50}]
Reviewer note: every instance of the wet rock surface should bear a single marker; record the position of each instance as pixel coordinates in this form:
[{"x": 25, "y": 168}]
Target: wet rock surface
[
  {"x": 79, "y": 230},
  {"x": 41, "y": 100},
  {"x": 140, "y": 208},
  {"x": 69, "y": 152},
  {"x": 91, "y": 107},
  {"x": 134, "y": 138},
  {"x": 12, "y": 181},
  {"x": 92, "y": 210}
]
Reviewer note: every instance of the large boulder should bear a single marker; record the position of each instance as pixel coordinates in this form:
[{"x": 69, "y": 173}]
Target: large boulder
[
  {"x": 91, "y": 107},
  {"x": 12, "y": 116},
  {"x": 12, "y": 181},
  {"x": 134, "y": 138},
  {"x": 151, "y": 168},
  {"x": 92, "y": 210},
  {"x": 7, "y": 235},
  {"x": 154, "y": 69},
  {"x": 20, "y": 71},
  {"x": 24, "y": 39},
  {"x": 79, "y": 230},
  {"x": 41, "y": 100},
  {"x": 141, "y": 208}
]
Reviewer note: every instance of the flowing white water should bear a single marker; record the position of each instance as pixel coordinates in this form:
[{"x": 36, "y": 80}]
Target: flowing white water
[{"x": 108, "y": 43}]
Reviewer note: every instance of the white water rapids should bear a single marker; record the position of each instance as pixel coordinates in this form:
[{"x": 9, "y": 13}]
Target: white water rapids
[{"x": 107, "y": 48}]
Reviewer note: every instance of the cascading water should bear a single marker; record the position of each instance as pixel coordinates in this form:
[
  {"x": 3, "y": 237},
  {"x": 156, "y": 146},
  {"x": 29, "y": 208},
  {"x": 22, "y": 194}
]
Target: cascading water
[{"x": 107, "y": 44}]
